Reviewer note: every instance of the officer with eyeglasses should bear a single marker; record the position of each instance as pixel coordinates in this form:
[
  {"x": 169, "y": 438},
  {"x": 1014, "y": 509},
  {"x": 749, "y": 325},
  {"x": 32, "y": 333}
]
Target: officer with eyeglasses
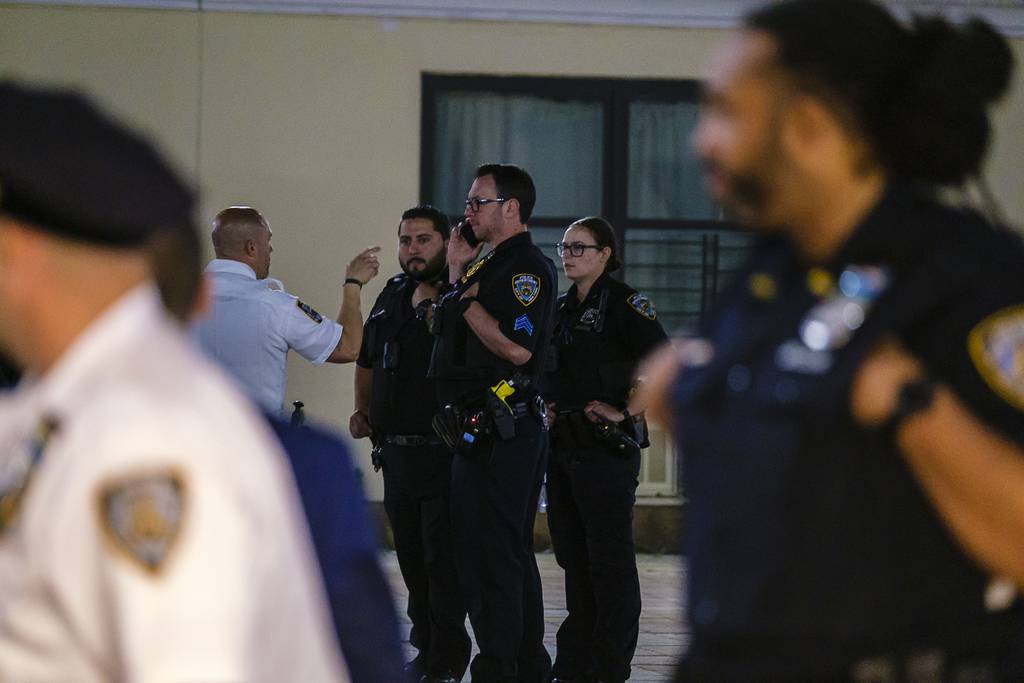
[
  {"x": 603, "y": 328},
  {"x": 493, "y": 328}
]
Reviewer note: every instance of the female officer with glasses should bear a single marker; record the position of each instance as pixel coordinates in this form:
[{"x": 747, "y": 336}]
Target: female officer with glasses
[{"x": 603, "y": 328}]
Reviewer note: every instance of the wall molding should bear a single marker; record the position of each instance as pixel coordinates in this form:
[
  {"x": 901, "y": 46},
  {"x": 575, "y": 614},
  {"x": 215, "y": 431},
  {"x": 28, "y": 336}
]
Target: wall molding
[{"x": 1007, "y": 15}]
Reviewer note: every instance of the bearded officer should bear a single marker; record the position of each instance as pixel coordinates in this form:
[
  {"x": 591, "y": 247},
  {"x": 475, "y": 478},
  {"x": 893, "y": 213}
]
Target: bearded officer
[
  {"x": 395, "y": 402},
  {"x": 853, "y": 422}
]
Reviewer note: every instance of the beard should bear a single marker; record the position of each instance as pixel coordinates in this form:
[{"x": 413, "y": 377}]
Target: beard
[
  {"x": 748, "y": 193},
  {"x": 429, "y": 271},
  {"x": 746, "y": 198}
]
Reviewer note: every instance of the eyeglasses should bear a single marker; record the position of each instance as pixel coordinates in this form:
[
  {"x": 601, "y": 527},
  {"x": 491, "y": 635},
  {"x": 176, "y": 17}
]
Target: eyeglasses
[
  {"x": 576, "y": 249},
  {"x": 475, "y": 203}
]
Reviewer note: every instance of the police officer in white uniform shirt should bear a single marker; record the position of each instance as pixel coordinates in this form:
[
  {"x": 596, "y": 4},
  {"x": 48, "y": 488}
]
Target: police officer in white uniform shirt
[
  {"x": 149, "y": 525},
  {"x": 254, "y": 322}
]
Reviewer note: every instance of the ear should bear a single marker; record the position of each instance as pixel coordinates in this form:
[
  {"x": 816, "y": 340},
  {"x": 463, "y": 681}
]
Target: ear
[
  {"x": 19, "y": 250},
  {"x": 250, "y": 247},
  {"x": 606, "y": 254},
  {"x": 811, "y": 132},
  {"x": 510, "y": 210}
]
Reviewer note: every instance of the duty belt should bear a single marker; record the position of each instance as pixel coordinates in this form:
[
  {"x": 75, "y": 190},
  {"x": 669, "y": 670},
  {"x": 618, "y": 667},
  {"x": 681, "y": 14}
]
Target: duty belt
[{"x": 410, "y": 440}]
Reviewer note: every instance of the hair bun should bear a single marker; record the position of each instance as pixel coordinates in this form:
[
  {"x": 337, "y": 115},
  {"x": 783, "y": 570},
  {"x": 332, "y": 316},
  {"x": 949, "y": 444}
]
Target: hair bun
[
  {"x": 938, "y": 128},
  {"x": 971, "y": 63},
  {"x": 994, "y": 58}
]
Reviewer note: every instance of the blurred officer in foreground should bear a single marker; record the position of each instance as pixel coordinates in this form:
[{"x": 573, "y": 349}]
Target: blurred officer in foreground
[
  {"x": 395, "y": 403},
  {"x": 150, "y": 530},
  {"x": 332, "y": 499},
  {"x": 358, "y": 593},
  {"x": 253, "y": 322},
  {"x": 602, "y": 330},
  {"x": 494, "y": 326},
  {"x": 852, "y": 425}
]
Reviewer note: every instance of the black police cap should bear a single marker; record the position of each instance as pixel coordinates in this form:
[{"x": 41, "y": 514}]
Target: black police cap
[{"x": 68, "y": 169}]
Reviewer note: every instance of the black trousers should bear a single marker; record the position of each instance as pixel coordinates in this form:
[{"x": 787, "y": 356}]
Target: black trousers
[
  {"x": 494, "y": 504},
  {"x": 591, "y": 493},
  {"x": 417, "y": 502}
]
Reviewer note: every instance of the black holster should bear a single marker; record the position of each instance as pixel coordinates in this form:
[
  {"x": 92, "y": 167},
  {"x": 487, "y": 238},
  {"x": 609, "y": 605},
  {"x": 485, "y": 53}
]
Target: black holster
[
  {"x": 573, "y": 431},
  {"x": 467, "y": 426}
]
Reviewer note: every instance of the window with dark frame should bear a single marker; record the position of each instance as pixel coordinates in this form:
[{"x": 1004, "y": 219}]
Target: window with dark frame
[{"x": 617, "y": 148}]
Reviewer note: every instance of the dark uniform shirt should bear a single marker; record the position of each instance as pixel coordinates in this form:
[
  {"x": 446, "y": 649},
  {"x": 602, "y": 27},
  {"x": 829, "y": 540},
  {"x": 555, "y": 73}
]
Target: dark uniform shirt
[
  {"x": 598, "y": 343},
  {"x": 517, "y": 287},
  {"x": 805, "y": 528},
  {"x": 397, "y": 346}
]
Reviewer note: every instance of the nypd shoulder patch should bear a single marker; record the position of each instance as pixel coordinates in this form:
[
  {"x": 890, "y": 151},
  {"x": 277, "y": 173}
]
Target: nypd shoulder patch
[
  {"x": 996, "y": 347},
  {"x": 310, "y": 311},
  {"x": 142, "y": 517},
  {"x": 526, "y": 288},
  {"x": 642, "y": 304}
]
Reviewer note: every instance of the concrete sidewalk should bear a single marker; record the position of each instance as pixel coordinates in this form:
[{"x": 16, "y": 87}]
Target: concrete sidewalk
[{"x": 662, "y": 635}]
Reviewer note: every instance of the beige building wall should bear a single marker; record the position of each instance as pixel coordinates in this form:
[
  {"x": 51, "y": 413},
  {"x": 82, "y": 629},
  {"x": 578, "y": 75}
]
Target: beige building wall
[{"x": 315, "y": 120}]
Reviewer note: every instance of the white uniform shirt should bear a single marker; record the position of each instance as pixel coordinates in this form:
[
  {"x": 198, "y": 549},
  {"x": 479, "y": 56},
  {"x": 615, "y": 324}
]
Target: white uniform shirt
[
  {"x": 110, "y": 573},
  {"x": 252, "y": 326}
]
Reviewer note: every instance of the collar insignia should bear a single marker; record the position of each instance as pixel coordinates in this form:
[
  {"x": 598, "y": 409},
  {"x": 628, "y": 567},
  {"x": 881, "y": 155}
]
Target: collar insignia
[
  {"x": 820, "y": 282},
  {"x": 16, "y": 471},
  {"x": 762, "y": 286},
  {"x": 476, "y": 266}
]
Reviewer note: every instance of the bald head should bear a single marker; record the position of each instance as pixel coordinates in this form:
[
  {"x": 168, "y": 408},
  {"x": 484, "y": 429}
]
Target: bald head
[
  {"x": 240, "y": 233},
  {"x": 232, "y": 227}
]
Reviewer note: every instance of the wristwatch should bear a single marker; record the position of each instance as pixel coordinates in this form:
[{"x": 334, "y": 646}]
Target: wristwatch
[
  {"x": 914, "y": 396},
  {"x": 354, "y": 281}
]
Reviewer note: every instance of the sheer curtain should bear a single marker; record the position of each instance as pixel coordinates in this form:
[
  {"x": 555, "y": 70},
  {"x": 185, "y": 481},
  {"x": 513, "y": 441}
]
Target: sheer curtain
[
  {"x": 664, "y": 174},
  {"x": 681, "y": 269},
  {"x": 559, "y": 143}
]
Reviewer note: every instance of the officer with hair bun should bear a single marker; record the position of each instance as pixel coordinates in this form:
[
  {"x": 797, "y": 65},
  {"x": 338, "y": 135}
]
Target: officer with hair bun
[
  {"x": 853, "y": 426},
  {"x": 602, "y": 329}
]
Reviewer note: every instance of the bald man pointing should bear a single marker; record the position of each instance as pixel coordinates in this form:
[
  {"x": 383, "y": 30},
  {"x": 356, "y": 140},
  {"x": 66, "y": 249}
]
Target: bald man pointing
[{"x": 254, "y": 322}]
